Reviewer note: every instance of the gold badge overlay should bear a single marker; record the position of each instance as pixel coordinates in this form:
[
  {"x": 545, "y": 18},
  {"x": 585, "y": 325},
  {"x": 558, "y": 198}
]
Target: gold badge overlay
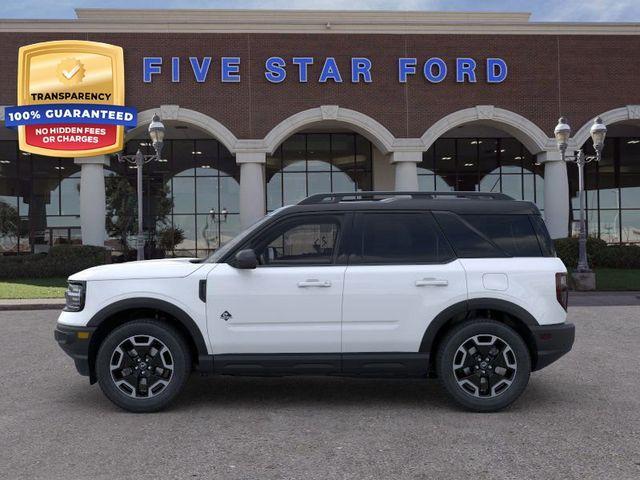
[{"x": 71, "y": 66}]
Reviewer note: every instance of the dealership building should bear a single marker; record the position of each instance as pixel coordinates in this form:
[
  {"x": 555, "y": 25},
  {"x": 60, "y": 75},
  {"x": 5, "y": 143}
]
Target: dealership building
[{"x": 263, "y": 108}]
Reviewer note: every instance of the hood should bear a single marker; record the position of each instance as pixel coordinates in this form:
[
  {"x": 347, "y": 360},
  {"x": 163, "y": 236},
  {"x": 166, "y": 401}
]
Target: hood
[{"x": 146, "y": 269}]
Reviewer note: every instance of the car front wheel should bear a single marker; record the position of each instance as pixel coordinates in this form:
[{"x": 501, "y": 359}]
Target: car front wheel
[
  {"x": 143, "y": 365},
  {"x": 484, "y": 365}
]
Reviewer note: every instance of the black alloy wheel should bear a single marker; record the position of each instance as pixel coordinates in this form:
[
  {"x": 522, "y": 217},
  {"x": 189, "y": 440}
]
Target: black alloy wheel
[
  {"x": 484, "y": 365},
  {"x": 143, "y": 365}
]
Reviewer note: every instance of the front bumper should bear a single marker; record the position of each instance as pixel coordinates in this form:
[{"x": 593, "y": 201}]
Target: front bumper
[
  {"x": 552, "y": 342},
  {"x": 75, "y": 343}
]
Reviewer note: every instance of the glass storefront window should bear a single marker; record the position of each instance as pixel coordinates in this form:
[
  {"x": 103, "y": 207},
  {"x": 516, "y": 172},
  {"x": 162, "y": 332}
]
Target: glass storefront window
[
  {"x": 481, "y": 164},
  {"x": 308, "y": 163},
  {"x": 199, "y": 181},
  {"x": 612, "y": 190}
]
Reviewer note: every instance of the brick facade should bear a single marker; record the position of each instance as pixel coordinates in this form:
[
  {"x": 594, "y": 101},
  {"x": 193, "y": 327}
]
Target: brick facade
[{"x": 574, "y": 75}]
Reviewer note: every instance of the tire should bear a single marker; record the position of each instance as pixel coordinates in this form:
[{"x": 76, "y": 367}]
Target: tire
[
  {"x": 461, "y": 369},
  {"x": 143, "y": 365}
]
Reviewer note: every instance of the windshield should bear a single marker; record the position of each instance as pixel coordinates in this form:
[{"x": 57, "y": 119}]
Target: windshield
[{"x": 238, "y": 239}]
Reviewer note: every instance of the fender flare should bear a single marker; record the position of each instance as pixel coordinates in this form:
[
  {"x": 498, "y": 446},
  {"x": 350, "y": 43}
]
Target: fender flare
[
  {"x": 464, "y": 307},
  {"x": 153, "y": 303}
]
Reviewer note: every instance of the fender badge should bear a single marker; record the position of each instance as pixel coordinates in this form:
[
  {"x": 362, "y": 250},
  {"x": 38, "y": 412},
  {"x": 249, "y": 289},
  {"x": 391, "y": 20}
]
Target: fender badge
[{"x": 226, "y": 316}]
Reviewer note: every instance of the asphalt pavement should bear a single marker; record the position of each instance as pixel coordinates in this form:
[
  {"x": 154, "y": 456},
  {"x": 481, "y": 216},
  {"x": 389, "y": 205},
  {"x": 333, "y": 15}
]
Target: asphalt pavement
[{"x": 579, "y": 418}]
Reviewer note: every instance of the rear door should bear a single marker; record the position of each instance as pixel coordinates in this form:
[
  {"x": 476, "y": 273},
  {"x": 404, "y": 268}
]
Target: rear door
[{"x": 401, "y": 274}]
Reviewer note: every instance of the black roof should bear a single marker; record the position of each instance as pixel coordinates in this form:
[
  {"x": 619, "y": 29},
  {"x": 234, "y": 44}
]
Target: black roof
[{"x": 457, "y": 202}]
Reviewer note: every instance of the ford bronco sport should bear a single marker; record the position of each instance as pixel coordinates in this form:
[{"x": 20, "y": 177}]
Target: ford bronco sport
[{"x": 462, "y": 286}]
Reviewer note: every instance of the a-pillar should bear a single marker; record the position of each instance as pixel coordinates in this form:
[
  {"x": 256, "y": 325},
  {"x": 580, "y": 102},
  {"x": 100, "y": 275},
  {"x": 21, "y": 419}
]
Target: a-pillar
[
  {"x": 406, "y": 167},
  {"x": 556, "y": 194},
  {"x": 92, "y": 199},
  {"x": 252, "y": 186}
]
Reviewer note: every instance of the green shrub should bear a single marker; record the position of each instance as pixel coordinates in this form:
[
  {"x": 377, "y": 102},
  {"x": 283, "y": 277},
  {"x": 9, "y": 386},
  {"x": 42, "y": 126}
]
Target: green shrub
[
  {"x": 599, "y": 254},
  {"x": 61, "y": 261}
]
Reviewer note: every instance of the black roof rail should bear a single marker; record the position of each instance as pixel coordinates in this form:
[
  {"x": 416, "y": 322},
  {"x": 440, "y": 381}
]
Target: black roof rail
[{"x": 360, "y": 196}]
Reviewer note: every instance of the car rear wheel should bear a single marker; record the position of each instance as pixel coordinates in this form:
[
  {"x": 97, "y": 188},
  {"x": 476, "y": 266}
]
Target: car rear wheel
[
  {"x": 484, "y": 365},
  {"x": 143, "y": 365}
]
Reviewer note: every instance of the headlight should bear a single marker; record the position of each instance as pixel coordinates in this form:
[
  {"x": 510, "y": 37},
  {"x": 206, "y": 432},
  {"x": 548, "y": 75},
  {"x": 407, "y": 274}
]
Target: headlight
[{"x": 74, "y": 296}]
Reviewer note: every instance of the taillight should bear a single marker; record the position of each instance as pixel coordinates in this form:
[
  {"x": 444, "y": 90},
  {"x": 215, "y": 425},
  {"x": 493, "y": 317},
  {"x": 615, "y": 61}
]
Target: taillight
[{"x": 562, "y": 289}]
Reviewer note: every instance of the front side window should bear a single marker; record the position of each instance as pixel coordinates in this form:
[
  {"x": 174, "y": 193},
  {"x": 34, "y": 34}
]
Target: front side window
[
  {"x": 300, "y": 242},
  {"x": 401, "y": 238}
]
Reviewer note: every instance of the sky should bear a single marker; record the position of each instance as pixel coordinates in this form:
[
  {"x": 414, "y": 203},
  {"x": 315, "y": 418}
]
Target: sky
[{"x": 542, "y": 10}]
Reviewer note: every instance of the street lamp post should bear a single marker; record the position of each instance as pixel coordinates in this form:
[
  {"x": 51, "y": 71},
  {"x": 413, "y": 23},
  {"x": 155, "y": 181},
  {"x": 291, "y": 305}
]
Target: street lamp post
[
  {"x": 156, "y": 133},
  {"x": 562, "y": 133}
]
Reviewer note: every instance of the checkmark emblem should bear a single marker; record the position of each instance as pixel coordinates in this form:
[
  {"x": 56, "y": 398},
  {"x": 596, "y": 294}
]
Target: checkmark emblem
[
  {"x": 70, "y": 74},
  {"x": 70, "y": 71}
]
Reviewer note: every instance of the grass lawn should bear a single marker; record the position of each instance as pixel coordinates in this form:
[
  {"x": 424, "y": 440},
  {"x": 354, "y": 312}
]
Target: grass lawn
[
  {"x": 33, "y": 288},
  {"x": 617, "y": 279}
]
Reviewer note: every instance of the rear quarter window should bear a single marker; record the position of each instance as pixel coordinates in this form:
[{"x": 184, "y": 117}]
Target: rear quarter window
[
  {"x": 515, "y": 234},
  {"x": 466, "y": 240}
]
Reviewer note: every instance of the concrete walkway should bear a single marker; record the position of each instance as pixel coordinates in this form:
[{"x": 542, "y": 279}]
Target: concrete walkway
[{"x": 576, "y": 299}]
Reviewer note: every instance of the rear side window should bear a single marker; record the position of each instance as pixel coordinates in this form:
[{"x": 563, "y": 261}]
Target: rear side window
[
  {"x": 546, "y": 244},
  {"x": 466, "y": 240},
  {"x": 400, "y": 238},
  {"x": 512, "y": 233}
]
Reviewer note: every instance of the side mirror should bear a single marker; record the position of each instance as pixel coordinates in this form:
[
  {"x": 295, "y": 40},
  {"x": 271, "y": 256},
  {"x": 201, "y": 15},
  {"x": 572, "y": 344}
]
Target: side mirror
[{"x": 246, "y": 259}]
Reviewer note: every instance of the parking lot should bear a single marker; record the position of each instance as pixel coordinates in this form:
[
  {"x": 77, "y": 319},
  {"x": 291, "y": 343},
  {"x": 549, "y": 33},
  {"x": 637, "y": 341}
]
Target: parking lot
[{"x": 579, "y": 418}]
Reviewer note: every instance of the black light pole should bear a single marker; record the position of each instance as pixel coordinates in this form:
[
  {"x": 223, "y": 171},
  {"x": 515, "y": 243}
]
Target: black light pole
[
  {"x": 562, "y": 133},
  {"x": 156, "y": 133}
]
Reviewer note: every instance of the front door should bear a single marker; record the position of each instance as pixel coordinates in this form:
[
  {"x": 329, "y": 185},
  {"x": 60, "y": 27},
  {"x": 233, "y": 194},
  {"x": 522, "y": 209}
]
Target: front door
[
  {"x": 291, "y": 303},
  {"x": 401, "y": 274}
]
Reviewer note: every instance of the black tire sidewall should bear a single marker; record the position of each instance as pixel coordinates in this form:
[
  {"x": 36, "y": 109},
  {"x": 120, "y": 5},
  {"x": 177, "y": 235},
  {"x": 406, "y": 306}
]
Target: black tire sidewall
[
  {"x": 181, "y": 359},
  {"x": 450, "y": 345}
]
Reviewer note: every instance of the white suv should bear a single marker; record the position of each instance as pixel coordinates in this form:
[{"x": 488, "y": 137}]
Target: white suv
[{"x": 462, "y": 286}]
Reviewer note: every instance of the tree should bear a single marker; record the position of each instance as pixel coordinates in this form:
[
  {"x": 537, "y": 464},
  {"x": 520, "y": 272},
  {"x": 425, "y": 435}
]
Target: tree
[
  {"x": 122, "y": 208},
  {"x": 9, "y": 222}
]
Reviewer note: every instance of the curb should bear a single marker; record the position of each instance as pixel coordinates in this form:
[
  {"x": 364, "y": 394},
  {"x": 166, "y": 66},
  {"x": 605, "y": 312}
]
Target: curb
[{"x": 18, "y": 305}]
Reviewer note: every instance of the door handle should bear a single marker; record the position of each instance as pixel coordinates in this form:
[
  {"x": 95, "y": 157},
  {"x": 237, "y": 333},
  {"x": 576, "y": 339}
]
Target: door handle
[
  {"x": 432, "y": 282},
  {"x": 314, "y": 283}
]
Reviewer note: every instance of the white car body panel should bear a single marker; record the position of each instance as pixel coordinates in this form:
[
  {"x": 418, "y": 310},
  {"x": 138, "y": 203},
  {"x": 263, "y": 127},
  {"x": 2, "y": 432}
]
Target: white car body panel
[
  {"x": 271, "y": 313},
  {"x": 531, "y": 284},
  {"x": 107, "y": 284},
  {"x": 359, "y": 309},
  {"x": 388, "y": 307},
  {"x": 147, "y": 269}
]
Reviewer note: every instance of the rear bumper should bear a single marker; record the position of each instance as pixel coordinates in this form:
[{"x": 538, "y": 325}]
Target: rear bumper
[
  {"x": 552, "y": 342},
  {"x": 75, "y": 343}
]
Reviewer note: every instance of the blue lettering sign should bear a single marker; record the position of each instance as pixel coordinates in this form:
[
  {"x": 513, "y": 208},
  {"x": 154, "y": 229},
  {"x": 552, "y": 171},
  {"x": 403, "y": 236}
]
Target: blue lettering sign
[
  {"x": 428, "y": 70},
  {"x": 303, "y": 65},
  {"x": 330, "y": 71},
  {"x": 175, "y": 69},
  {"x": 406, "y": 66},
  {"x": 360, "y": 67},
  {"x": 465, "y": 67},
  {"x": 200, "y": 71},
  {"x": 230, "y": 69},
  {"x": 151, "y": 66},
  {"x": 275, "y": 69},
  {"x": 496, "y": 70}
]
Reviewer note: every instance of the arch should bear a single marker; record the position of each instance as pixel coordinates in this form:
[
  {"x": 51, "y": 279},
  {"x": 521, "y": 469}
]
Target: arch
[
  {"x": 374, "y": 131},
  {"x": 197, "y": 119},
  {"x": 629, "y": 112},
  {"x": 527, "y": 132}
]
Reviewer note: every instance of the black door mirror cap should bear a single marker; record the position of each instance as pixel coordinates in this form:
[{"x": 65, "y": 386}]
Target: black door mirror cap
[{"x": 246, "y": 259}]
